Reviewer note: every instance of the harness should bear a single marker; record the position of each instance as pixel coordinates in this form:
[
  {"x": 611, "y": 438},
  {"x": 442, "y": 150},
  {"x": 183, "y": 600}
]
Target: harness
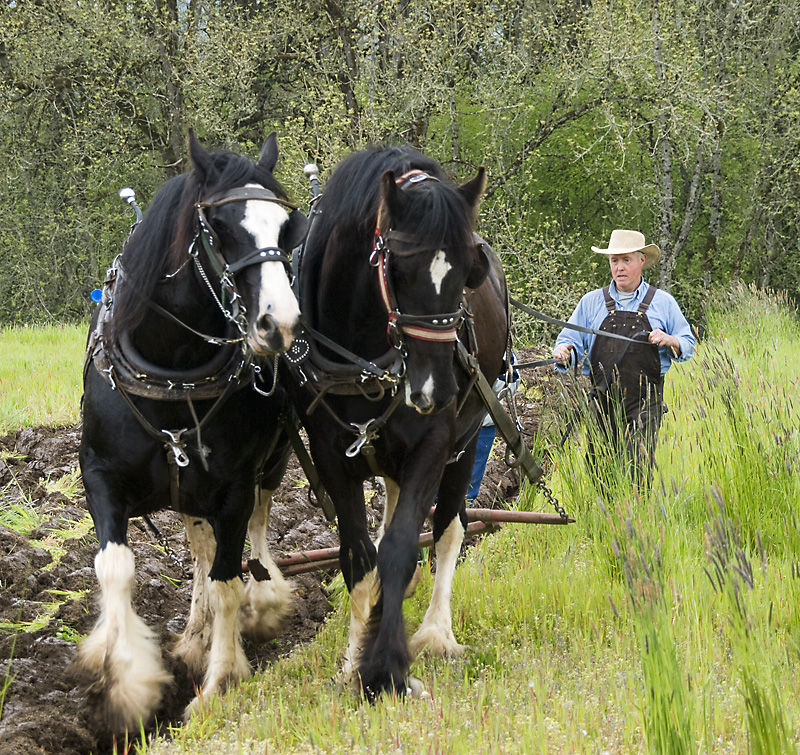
[
  {"x": 232, "y": 368},
  {"x": 372, "y": 380}
]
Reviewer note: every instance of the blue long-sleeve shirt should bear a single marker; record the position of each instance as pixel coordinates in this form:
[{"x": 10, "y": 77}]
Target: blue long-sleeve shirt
[{"x": 664, "y": 314}]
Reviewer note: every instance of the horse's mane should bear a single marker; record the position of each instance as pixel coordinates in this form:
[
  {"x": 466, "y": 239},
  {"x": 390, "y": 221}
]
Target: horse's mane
[
  {"x": 160, "y": 243},
  {"x": 441, "y": 216}
]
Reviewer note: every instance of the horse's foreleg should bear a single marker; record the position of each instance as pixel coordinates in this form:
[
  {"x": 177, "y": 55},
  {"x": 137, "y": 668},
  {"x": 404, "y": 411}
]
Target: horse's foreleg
[
  {"x": 193, "y": 643},
  {"x": 357, "y": 559},
  {"x": 226, "y": 659},
  {"x": 392, "y": 494},
  {"x": 363, "y": 598},
  {"x": 227, "y": 662},
  {"x": 435, "y": 634},
  {"x": 267, "y": 597},
  {"x": 121, "y": 652}
]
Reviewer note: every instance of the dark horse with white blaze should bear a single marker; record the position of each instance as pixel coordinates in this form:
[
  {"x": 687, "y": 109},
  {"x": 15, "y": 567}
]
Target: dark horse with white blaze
[
  {"x": 392, "y": 282},
  {"x": 180, "y": 411}
]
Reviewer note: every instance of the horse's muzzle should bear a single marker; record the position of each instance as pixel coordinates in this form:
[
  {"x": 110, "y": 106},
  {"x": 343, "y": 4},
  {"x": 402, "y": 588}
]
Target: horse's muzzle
[
  {"x": 425, "y": 405},
  {"x": 271, "y": 337}
]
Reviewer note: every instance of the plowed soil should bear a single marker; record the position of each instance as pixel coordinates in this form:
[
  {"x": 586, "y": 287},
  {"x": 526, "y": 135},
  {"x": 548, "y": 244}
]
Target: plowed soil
[{"x": 45, "y": 708}]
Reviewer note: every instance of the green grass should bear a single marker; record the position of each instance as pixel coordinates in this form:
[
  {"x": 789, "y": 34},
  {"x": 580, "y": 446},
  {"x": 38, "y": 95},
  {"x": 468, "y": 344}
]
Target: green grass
[
  {"x": 663, "y": 621},
  {"x": 40, "y": 376},
  {"x": 666, "y": 620}
]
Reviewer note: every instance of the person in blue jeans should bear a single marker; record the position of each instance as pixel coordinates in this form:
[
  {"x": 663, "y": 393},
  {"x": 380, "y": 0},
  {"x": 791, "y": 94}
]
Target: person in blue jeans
[{"x": 487, "y": 434}]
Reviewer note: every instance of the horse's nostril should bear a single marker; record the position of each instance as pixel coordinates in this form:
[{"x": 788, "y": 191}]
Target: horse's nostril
[
  {"x": 422, "y": 402},
  {"x": 267, "y": 325}
]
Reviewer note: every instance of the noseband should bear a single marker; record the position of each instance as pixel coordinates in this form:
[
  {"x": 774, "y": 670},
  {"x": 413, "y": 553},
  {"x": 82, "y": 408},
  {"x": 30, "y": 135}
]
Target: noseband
[{"x": 440, "y": 328}]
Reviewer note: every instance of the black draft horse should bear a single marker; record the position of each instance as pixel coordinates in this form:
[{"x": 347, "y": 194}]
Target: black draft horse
[
  {"x": 392, "y": 280},
  {"x": 177, "y": 413}
]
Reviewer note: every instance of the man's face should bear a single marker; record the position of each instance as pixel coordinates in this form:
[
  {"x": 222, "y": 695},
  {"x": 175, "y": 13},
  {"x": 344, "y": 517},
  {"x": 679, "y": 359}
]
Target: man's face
[{"x": 626, "y": 270}]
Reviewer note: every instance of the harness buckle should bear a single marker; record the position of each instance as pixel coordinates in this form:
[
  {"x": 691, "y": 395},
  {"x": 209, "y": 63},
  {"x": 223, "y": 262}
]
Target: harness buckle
[
  {"x": 394, "y": 333},
  {"x": 109, "y": 371},
  {"x": 176, "y": 447},
  {"x": 378, "y": 248},
  {"x": 364, "y": 436}
]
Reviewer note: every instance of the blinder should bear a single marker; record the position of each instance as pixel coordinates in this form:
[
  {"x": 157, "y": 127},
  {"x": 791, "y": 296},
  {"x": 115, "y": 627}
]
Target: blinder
[
  {"x": 291, "y": 235},
  {"x": 480, "y": 267},
  {"x": 294, "y": 232}
]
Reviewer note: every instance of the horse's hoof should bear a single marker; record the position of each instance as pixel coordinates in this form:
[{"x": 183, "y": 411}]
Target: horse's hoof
[
  {"x": 434, "y": 642},
  {"x": 416, "y": 689}
]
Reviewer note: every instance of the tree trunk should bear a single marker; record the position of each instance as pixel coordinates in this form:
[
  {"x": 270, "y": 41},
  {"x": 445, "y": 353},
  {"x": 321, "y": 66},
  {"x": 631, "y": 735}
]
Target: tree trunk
[{"x": 662, "y": 162}]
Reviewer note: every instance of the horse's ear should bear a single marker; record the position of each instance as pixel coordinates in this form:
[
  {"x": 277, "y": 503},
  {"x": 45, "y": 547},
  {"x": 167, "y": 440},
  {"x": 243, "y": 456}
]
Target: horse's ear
[
  {"x": 389, "y": 200},
  {"x": 472, "y": 190},
  {"x": 269, "y": 153},
  {"x": 480, "y": 266},
  {"x": 200, "y": 157}
]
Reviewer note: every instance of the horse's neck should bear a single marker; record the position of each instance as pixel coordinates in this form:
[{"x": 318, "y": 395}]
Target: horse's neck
[
  {"x": 349, "y": 308},
  {"x": 167, "y": 339}
]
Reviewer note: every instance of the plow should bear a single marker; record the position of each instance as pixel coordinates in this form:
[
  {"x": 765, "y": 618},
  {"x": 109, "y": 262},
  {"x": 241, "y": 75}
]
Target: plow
[{"x": 480, "y": 522}]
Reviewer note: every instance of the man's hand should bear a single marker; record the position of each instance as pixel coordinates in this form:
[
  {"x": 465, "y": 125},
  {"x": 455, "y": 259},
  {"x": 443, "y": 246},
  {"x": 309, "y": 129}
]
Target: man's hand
[
  {"x": 660, "y": 338},
  {"x": 562, "y": 354}
]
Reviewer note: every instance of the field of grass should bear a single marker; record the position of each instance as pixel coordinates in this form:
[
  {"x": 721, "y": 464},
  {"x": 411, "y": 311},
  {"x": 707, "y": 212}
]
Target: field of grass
[
  {"x": 665, "y": 621},
  {"x": 40, "y": 376},
  {"x": 662, "y": 621}
]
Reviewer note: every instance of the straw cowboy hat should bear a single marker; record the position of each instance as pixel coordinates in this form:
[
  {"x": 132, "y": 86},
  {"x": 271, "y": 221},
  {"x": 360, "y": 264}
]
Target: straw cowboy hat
[{"x": 626, "y": 242}]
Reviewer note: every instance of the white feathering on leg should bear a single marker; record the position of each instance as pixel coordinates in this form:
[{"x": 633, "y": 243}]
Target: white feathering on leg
[
  {"x": 436, "y": 632},
  {"x": 122, "y": 650},
  {"x": 267, "y": 603}
]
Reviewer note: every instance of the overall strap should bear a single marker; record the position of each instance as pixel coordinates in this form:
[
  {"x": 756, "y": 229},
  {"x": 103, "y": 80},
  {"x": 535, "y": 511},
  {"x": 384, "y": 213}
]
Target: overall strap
[
  {"x": 610, "y": 305},
  {"x": 648, "y": 297}
]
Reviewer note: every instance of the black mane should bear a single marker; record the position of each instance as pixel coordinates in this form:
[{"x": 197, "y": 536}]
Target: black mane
[{"x": 440, "y": 216}]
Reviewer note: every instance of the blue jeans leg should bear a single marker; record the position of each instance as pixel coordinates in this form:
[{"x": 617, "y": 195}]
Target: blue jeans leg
[{"x": 485, "y": 441}]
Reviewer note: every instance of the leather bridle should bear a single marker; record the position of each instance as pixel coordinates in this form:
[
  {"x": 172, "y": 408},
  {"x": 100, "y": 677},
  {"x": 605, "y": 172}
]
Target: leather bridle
[
  {"x": 438, "y": 328},
  {"x": 224, "y": 270}
]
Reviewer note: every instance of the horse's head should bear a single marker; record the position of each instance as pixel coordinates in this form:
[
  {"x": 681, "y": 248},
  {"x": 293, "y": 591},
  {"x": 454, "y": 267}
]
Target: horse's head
[
  {"x": 427, "y": 255},
  {"x": 247, "y": 231}
]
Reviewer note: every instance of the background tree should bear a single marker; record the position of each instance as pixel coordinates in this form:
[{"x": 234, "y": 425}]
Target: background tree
[{"x": 677, "y": 119}]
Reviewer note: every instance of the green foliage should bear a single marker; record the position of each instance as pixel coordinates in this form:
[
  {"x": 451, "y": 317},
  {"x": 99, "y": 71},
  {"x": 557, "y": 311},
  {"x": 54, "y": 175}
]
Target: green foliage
[{"x": 584, "y": 125}]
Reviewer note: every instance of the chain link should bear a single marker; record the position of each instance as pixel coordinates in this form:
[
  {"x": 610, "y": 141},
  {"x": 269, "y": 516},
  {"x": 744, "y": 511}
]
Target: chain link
[
  {"x": 551, "y": 498},
  {"x": 177, "y": 560}
]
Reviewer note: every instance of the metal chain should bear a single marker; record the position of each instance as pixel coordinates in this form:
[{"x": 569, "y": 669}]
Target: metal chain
[
  {"x": 551, "y": 498},
  {"x": 178, "y": 561}
]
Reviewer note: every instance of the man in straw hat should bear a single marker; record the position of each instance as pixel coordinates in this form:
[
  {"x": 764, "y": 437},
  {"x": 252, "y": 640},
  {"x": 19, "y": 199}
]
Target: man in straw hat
[{"x": 627, "y": 375}]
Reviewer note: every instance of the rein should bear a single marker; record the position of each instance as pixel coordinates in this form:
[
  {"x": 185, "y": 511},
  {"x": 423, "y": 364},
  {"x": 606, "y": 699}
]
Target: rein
[{"x": 572, "y": 326}]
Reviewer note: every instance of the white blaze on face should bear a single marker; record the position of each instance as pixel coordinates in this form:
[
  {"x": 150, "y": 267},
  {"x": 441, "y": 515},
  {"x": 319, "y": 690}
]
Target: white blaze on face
[
  {"x": 439, "y": 268},
  {"x": 263, "y": 220}
]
